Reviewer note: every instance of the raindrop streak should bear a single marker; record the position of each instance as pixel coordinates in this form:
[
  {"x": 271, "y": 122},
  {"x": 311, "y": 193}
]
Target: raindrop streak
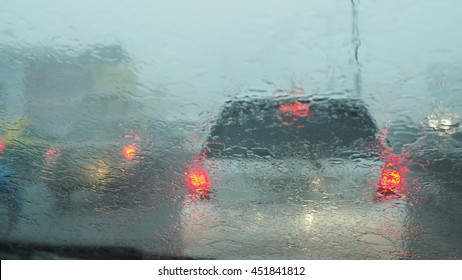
[{"x": 356, "y": 42}]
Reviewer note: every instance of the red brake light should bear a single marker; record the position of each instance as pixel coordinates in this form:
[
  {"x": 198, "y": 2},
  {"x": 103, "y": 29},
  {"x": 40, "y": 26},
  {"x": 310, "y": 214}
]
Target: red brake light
[
  {"x": 297, "y": 109},
  {"x": 391, "y": 181},
  {"x": 289, "y": 113},
  {"x": 130, "y": 151},
  {"x": 2, "y": 147},
  {"x": 390, "y": 177},
  {"x": 198, "y": 182}
]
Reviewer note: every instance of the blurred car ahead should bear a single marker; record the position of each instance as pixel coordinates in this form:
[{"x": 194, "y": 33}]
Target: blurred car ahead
[
  {"x": 112, "y": 160},
  {"x": 294, "y": 177}
]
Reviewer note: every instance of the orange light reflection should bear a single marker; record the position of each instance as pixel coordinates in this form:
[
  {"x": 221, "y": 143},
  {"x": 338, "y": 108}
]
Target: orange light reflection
[{"x": 130, "y": 151}]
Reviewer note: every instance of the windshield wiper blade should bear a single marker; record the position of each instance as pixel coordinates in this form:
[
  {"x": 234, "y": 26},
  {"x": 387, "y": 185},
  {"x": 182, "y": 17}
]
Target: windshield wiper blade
[{"x": 31, "y": 251}]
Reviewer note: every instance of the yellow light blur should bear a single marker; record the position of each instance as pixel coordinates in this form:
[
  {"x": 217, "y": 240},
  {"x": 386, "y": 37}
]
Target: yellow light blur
[
  {"x": 130, "y": 151},
  {"x": 98, "y": 175},
  {"x": 391, "y": 178},
  {"x": 198, "y": 180}
]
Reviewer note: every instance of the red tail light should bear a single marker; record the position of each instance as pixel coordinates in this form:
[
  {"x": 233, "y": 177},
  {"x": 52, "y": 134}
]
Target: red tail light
[
  {"x": 290, "y": 113},
  {"x": 390, "y": 181},
  {"x": 130, "y": 151},
  {"x": 198, "y": 182},
  {"x": 296, "y": 109}
]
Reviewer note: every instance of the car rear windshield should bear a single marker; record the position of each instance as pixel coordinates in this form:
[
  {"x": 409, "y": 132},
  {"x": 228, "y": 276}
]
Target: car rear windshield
[{"x": 284, "y": 127}]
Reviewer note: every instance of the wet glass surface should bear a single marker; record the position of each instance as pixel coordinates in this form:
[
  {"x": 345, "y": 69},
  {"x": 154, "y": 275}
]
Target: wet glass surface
[{"x": 229, "y": 130}]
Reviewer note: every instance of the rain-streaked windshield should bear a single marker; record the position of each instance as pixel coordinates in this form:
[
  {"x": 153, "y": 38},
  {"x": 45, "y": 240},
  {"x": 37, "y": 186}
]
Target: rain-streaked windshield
[{"x": 233, "y": 129}]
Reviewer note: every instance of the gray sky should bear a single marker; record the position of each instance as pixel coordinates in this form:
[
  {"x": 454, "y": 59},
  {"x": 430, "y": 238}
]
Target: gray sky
[{"x": 199, "y": 52}]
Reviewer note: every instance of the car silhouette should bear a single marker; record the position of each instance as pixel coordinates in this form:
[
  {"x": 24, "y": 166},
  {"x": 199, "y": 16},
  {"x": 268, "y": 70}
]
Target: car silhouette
[{"x": 294, "y": 177}]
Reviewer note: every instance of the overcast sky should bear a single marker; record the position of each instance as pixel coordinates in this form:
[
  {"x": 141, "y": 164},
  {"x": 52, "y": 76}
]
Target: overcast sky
[{"x": 203, "y": 51}]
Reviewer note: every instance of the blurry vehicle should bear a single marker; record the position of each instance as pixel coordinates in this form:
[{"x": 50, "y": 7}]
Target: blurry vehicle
[
  {"x": 112, "y": 160},
  {"x": 102, "y": 156},
  {"x": 83, "y": 129},
  {"x": 86, "y": 156},
  {"x": 294, "y": 177}
]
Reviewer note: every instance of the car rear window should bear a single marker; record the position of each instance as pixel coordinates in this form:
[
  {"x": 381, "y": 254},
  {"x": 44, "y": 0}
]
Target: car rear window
[{"x": 283, "y": 127}]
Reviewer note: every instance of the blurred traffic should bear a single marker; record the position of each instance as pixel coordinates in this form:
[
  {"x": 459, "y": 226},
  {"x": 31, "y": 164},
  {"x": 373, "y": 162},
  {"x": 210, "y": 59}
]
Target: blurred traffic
[{"x": 306, "y": 131}]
